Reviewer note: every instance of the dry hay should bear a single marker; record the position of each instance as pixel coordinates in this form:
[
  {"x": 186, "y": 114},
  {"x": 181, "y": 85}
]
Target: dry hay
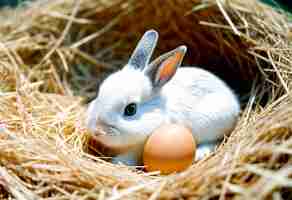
[{"x": 53, "y": 53}]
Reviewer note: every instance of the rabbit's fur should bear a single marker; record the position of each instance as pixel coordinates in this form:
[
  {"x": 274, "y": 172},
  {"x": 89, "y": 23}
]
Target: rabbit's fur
[{"x": 162, "y": 93}]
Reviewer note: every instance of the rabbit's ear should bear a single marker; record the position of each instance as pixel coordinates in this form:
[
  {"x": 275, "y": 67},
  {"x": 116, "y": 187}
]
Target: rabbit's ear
[
  {"x": 162, "y": 69},
  {"x": 142, "y": 53}
]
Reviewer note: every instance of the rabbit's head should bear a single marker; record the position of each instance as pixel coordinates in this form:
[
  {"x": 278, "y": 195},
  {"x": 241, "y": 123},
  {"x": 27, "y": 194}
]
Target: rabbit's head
[{"x": 129, "y": 106}]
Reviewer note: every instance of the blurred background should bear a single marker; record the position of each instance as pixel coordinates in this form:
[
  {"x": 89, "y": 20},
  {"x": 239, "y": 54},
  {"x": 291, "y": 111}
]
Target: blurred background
[
  {"x": 282, "y": 4},
  {"x": 10, "y": 2}
]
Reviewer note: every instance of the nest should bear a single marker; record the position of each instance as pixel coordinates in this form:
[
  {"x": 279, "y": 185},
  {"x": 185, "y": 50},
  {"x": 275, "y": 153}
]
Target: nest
[{"x": 53, "y": 55}]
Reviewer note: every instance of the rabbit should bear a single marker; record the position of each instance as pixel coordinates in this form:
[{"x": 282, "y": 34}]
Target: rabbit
[{"x": 143, "y": 95}]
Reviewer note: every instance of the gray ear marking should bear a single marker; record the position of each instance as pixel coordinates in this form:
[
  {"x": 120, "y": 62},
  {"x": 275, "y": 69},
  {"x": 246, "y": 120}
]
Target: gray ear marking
[
  {"x": 144, "y": 49},
  {"x": 163, "y": 68}
]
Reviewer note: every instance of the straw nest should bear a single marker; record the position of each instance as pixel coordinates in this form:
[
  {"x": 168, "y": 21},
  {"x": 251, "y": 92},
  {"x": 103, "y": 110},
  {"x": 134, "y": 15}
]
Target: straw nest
[{"x": 53, "y": 54}]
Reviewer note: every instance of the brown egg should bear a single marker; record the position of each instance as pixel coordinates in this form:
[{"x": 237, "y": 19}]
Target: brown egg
[{"x": 170, "y": 148}]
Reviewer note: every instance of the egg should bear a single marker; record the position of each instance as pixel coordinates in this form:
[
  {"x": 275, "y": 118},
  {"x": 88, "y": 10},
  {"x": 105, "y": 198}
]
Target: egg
[{"x": 170, "y": 148}]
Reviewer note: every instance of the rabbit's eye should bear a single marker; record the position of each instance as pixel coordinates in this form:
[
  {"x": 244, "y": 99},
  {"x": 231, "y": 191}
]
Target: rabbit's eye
[{"x": 130, "y": 109}]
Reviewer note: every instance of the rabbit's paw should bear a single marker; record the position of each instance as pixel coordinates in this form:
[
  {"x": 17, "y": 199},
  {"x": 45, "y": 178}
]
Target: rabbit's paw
[
  {"x": 204, "y": 150},
  {"x": 129, "y": 159}
]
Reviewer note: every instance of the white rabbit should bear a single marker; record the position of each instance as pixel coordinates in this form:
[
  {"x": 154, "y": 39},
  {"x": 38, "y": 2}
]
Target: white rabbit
[{"x": 134, "y": 101}]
